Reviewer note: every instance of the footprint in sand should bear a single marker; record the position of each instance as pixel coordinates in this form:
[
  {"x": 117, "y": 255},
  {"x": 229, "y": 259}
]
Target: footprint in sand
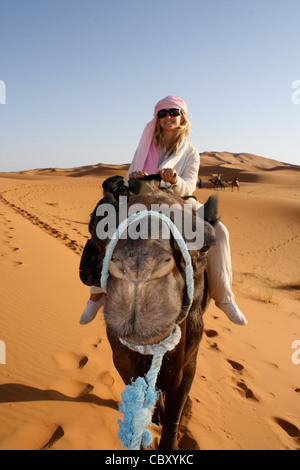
[
  {"x": 33, "y": 436},
  {"x": 11, "y": 263},
  {"x": 247, "y": 392},
  {"x": 290, "y": 429},
  {"x": 70, "y": 361},
  {"x": 211, "y": 333},
  {"x": 235, "y": 365},
  {"x": 72, "y": 388},
  {"x": 107, "y": 378},
  {"x": 187, "y": 441},
  {"x": 94, "y": 342},
  {"x": 7, "y": 234},
  {"x": 17, "y": 263},
  {"x": 57, "y": 435}
]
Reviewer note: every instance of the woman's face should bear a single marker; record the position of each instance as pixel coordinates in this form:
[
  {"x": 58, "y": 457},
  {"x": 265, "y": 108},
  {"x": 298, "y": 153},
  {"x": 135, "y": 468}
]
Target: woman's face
[{"x": 170, "y": 123}]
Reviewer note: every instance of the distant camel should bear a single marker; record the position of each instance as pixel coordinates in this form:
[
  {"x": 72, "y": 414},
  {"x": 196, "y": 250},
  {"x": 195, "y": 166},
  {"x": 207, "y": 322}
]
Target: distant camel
[
  {"x": 234, "y": 183},
  {"x": 218, "y": 183}
]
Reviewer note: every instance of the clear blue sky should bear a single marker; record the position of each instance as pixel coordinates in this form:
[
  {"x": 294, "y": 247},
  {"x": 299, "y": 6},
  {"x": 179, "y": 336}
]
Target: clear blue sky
[{"x": 82, "y": 77}]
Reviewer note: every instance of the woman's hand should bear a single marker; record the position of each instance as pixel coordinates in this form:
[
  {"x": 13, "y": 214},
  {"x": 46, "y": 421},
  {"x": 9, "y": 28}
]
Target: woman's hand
[
  {"x": 169, "y": 175},
  {"x": 137, "y": 174}
]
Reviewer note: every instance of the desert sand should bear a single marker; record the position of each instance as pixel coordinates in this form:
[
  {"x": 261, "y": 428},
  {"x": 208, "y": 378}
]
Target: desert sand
[{"x": 59, "y": 388}]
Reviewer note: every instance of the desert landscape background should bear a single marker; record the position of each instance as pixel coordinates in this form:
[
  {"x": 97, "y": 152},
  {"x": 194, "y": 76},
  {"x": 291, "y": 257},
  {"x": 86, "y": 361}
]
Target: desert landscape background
[{"x": 59, "y": 388}]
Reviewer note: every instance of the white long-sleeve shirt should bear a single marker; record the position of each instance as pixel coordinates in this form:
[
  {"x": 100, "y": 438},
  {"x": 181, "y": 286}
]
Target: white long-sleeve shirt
[{"x": 186, "y": 162}]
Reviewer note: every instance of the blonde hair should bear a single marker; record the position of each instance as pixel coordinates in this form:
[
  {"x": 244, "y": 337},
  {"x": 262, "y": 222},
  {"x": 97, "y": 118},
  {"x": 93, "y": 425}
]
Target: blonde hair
[{"x": 183, "y": 131}]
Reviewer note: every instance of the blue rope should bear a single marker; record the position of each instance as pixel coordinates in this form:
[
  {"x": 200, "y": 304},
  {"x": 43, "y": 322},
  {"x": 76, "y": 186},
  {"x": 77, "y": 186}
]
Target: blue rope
[{"x": 139, "y": 398}]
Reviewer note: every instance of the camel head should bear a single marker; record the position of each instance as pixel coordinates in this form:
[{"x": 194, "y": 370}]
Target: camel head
[{"x": 147, "y": 289}]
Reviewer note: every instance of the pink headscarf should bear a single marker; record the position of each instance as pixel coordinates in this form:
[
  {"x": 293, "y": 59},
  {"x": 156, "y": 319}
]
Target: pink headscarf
[{"x": 147, "y": 155}]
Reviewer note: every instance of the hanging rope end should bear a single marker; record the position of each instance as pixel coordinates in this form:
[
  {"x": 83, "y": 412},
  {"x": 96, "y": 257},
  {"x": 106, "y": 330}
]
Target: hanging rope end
[{"x": 137, "y": 405}]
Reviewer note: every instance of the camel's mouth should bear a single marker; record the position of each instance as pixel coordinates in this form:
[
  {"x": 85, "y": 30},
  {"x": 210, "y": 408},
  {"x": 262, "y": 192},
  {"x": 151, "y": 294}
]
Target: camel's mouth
[
  {"x": 149, "y": 339},
  {"x": 166, "y": 344}
]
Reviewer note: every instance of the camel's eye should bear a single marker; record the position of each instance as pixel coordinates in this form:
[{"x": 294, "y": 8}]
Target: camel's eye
[
  {"x": 116, "y": 268},
  {"x": 163, "y": 267}
]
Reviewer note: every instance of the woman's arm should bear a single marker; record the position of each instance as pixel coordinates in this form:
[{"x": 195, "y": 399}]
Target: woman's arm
[{"x": 188, "y": 177}]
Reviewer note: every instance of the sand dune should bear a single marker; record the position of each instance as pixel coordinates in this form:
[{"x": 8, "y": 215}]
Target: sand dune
[{"x": 59, "y": 388}]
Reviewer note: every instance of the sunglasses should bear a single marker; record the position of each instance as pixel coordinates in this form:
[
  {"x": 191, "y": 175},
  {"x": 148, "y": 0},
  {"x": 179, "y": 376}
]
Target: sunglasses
[{"x": 173, "y": 112}]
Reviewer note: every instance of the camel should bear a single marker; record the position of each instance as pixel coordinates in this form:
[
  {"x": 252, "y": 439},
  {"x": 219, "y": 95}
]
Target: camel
[
  {"x": 235, "y": 183},
  {"x": 146, "y": 296},
  {"x": 218, "y": 183}
]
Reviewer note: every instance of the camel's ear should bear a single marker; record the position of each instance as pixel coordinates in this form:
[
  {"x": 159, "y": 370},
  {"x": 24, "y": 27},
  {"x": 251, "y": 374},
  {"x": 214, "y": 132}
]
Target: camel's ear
[
  {"x": 211, "y": 210},
  {"x": 209, "y": 237},
  {"x": 198, "y": 257}
]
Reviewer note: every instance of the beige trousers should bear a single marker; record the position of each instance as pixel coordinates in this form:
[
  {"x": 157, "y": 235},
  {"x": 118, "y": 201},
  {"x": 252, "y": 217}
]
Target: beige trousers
[
  {"x": 95, "y": 290},
  {"x": 220, "y": 268}
]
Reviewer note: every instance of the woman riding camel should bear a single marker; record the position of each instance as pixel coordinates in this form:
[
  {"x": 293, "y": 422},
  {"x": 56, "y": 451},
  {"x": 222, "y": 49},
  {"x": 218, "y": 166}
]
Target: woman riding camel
[{"x": 164, "y": 148}]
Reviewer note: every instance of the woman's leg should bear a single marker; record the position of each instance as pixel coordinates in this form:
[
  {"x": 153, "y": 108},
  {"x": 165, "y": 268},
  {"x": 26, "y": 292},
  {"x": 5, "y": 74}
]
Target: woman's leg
[
  {"x": 93, "y": 305},
  {"x": 220, "y": 276},
  {"x": 96, "y": 293}
]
